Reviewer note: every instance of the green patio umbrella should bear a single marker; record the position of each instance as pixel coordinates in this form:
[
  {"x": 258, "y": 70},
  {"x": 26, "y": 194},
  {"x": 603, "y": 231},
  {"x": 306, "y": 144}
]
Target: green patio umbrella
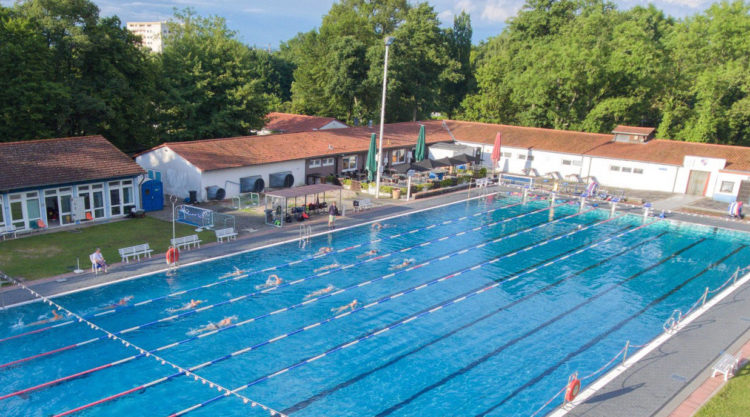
[
  {"x": 372, "y": 163},
  {"x": 421, "y": 150}
]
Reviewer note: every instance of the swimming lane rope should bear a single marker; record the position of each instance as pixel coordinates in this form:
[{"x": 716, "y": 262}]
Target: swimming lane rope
[
  {"x": 162, "y": 361},
  {"x": 260, "y": 271},
  {"x": 383, "y": 300},
  {"x": 275, "y": 312},
  {"x": 283, "y": 285}
]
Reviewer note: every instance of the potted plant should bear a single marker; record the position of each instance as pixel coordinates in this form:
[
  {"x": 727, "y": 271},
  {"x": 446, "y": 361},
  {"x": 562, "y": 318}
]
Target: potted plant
[
  {"x": 396, "y": 193},
  {"x": 347, "y": 183}
]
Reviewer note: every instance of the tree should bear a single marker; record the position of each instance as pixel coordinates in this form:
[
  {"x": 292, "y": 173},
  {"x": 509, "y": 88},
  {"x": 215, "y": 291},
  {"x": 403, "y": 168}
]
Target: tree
[
  {"x": 207, "y": 86},
  {"x": 459, "y": 46}
]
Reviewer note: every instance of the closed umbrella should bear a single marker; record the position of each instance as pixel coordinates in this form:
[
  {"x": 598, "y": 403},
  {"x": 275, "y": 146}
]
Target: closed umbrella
[
  {"x": 372, "y": 163},
  {"x": 496, "y": 150},
  {"x": 421, "y": 149}
]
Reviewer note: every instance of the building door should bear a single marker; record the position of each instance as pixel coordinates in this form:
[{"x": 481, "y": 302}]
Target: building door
[
  {"x": 697, "y": 182},
  {"x": 744, "y": 193}
]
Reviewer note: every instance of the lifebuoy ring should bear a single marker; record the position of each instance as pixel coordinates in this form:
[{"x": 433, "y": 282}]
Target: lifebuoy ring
[
  {"x": 173, "y": 255},
  {"x": 574, "y": 387}
]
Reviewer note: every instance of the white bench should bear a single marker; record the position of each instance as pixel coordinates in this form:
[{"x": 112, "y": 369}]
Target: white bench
[
  {"x": 364, "y": 204},
  {"x": 186, "y": 242},
  {"x": 8, "y": 231},
  {"x": 227, "y": 234},
  {"x": 725, "y": 365},
  {"x": 135, "y": 251}
]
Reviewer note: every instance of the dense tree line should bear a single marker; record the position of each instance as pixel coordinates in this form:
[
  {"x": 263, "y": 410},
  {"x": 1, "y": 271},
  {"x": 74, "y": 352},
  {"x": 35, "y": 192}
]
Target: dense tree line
[
  {"x": 564, "y": 64},
  {"x": 585, "y": 65}
]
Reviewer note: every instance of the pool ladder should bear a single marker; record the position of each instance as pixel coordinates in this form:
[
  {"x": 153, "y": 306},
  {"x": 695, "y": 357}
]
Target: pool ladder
[
  {"x": 305, "y": 231},
  {"x": 670, "y": 326}
]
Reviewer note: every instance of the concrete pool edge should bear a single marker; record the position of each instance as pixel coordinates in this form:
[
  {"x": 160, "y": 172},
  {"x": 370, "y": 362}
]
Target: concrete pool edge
[{"x": 620, "y": 371}]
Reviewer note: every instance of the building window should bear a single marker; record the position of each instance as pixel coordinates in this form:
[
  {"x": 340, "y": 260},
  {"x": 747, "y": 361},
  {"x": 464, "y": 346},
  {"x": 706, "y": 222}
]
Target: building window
[
  {"x": 530, "y": 157},
  {"x": 626, "y": 169},
  {"x": 57, "y": 203},
  {"x": 328, "y": 162},
  {"x": 637, "y": 171},
  {"x": 398, "y": 156},
  {"x": 93, "y": 201},
  {"x": 614, "y": 168},
  {"x": 727, "y": 186},
  {"x": 567, "y": 162},
  {"x": 2, "y": 217},
  {"x": 24, "y": 209},
  {"x": 507, "y": 154},
  {"x": 121, "y": 197},
  {"x": 349, "y": 163},
  {"x": 576, "y": 163},
  {"x": 314, "y": 163},
  {"x": 521, "y": 156}
]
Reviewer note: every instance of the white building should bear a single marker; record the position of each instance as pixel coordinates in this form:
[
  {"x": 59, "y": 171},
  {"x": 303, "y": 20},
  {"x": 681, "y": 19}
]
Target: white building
[
  {"x": 151, "y": 33},
  {"x": 627, "y": 158}
]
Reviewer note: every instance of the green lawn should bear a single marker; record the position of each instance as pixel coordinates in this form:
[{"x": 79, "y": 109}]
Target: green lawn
[
  {"x": 52, "y": 254},
  {"x": 733, "y": 400}
]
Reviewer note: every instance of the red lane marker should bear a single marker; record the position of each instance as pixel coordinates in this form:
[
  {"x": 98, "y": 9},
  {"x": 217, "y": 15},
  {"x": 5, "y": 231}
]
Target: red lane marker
[
  {"x": 25, "y": 334},
  {"x": 110, "y": 398},
  {"x": 5, "y": 365},
  {"x": 56, "y": 381}
]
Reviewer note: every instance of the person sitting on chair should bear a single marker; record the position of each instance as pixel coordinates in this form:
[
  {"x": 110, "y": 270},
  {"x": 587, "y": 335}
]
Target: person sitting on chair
[{"x": 98, "y": 259}]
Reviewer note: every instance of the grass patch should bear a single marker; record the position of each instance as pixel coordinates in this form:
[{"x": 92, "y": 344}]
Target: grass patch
[
  {"x": 733, "y": 400},
  {"x": 51, "y": 254}
]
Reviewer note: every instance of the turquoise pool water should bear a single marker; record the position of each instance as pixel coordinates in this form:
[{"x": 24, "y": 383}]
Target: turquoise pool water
[{"x": 499, "y": 305}]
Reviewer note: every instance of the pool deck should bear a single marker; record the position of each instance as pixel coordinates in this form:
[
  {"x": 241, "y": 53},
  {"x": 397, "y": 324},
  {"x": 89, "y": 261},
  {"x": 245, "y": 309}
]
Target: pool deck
[{"x": 671, "y": 381}]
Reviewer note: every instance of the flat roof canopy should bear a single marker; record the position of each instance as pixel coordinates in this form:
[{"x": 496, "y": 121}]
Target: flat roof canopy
[{"x": 303, "y": 190}]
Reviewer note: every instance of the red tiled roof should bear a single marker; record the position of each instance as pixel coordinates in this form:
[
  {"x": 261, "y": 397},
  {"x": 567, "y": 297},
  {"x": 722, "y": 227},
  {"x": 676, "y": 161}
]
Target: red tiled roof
[
  {"x": 292, "y": 123},
  {"x": 241, "y": 151},
  {"x": 563, "y": 141},
  {"x": 673, "y": 152},
  {"x": 634, "y": 130},
  {"x": 36, "y": 163}
]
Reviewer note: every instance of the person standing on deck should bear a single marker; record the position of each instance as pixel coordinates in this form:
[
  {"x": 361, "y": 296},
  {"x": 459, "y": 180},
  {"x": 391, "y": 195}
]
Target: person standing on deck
[{"x": 332, "y": 215}]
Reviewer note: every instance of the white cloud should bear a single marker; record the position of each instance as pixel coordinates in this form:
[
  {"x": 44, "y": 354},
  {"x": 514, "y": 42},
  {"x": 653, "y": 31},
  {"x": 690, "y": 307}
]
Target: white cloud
[
  {"x": 446, "y": 17},
  {"x": 253, "y": 10},
  {"x": 693, "y": 4},
  {"x": 500, "y": 10}
]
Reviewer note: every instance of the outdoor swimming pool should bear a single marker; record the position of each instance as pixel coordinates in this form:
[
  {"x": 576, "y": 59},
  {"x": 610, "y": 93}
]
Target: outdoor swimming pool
[{"x": 499, "y": 305}]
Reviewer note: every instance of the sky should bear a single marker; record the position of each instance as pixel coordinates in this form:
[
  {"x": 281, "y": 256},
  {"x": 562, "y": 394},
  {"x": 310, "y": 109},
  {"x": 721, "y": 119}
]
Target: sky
[{"x": 265, "y": 23}]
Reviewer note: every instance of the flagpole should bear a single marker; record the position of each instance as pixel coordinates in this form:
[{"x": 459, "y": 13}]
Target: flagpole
[{"x": 388, "y": 42}]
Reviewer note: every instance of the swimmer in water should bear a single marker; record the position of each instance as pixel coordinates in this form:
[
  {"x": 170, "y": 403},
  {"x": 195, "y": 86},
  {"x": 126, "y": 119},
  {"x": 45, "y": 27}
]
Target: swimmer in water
[
  {"x": 403, "y": 264},
  {"x": 191, "y": 305},
  {"x": 372, "y": 252},
  {"x": 237, "y": 272},
  {"x": 226, "y": 321},
  {"x": 324, "y": 250},
  {"x": 272, "y": 281},
  {"x": 123, "y": 302},
  {"x": 321, "y": 291},
  {"x": 55, "y": 317},
  {"x": 379, "y": 226},
  {"x": 327, "y": 267},
  {"x": 343, "y": 308}
]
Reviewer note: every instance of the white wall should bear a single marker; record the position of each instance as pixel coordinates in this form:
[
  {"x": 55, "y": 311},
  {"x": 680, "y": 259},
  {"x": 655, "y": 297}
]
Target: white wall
[
  {"x": 543, "y": 161},
  {"x": 655, "y": 177},
  {"x": 178, "y": 175},
  {"x": 735, "y": 178},
  {"x": 221, "y": 176}
]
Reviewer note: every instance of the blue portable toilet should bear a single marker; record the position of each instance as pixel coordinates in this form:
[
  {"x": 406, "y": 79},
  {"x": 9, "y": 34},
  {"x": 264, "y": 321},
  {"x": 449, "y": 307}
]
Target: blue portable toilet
[{"x": 152, "y": 195}]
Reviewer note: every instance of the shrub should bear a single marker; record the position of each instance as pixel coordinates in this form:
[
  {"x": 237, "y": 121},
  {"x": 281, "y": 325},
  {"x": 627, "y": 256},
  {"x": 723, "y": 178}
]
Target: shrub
[
  {"x": 447, "y": 182},
  {"x": 386, "y": 189},
  {"x": 347, "y": 181}
]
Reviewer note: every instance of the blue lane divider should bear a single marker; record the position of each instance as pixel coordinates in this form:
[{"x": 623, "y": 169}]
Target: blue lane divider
[
  {"x": 247, "y": 274},
  {"x": 312, "y": 300},
  {"x": 267, "y": 290},
  {"x": 397, "y": 324},
  {"x": 387, "y": 298}
]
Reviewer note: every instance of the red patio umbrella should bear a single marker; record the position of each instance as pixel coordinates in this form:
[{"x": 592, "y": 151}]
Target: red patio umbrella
[{"x": 496, "y": 150}]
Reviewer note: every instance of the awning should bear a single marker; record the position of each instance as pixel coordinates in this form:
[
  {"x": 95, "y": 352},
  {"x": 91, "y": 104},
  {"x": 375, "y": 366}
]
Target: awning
[{"x": 303, "y": 190}]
